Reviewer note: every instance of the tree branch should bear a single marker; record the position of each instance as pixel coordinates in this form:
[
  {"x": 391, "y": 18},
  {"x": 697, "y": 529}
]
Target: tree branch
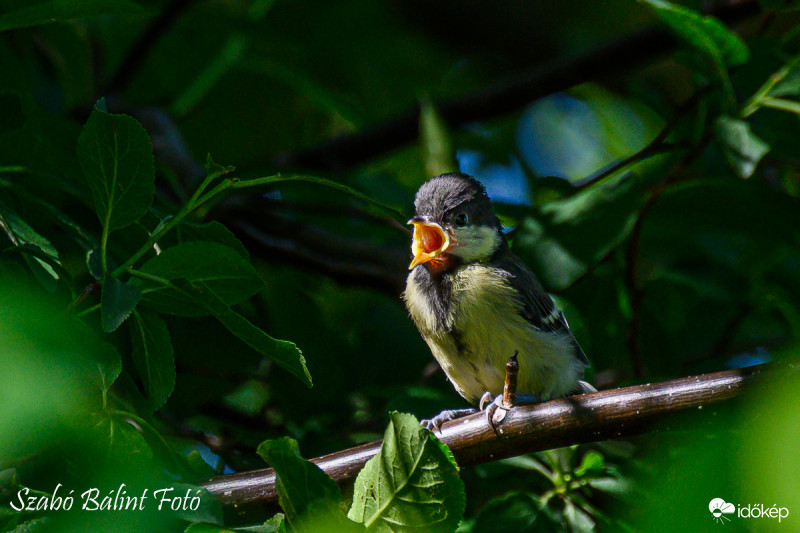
[
  {"x": 139, "y": 51},
  {"x": 608, "y": 62},
  {"x": 578, "y": 419}
]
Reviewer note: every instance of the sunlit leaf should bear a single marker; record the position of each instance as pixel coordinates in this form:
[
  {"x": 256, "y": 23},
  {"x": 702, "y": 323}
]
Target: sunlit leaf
[
  {"x": 704, "y": 33},
  {"x": 412, "y": 483},
  {"x": 591, "y": 461},
  {"x": 308, "y": 496},
  {"x": 741, "y": 147}
]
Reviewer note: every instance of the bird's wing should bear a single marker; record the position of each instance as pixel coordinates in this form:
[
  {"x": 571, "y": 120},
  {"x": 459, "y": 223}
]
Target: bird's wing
[{"x": 538, "y": 307}]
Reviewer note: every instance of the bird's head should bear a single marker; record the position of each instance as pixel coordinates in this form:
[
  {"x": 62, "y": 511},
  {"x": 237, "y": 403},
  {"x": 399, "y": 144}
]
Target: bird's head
[{"x": 454, "y": 223}]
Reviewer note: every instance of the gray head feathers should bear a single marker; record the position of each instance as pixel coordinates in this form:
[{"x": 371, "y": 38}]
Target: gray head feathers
[{"x": 441, "y": 196}]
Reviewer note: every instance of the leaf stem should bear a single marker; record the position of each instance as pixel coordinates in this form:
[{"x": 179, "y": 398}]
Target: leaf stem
[
  {"x": 782, "y": 104},
  {"x": 199, "y": 199},
  {"x": 148, "y": 277},
  {"x": 236, "y": 184},
  {"x": 85, "y": 312},
  {"x": 760, "y": 96}
]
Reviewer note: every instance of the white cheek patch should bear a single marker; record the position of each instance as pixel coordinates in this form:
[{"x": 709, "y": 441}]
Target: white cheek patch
[{"x": 475, "y": 243}]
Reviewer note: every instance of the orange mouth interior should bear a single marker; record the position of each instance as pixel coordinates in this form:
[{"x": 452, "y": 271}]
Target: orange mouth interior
[{"x": 430, "y": 240}]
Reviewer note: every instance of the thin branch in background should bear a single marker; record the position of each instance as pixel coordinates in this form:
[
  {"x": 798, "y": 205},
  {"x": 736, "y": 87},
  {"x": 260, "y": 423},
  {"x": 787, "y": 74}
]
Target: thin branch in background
[
  {"x": 607, "y": 62},
  {"x": 633, "y": 286},
  {"x": 724, "y": 345},
  {"x": 139, "y": 51}
]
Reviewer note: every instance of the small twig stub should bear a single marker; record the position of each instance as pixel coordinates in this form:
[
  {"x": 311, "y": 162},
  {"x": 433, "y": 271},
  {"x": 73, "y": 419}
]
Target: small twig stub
[{"x": 510, "y": 386}]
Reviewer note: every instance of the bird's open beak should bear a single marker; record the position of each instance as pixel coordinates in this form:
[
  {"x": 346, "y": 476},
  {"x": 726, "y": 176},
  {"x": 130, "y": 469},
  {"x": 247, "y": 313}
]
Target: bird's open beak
[{"x": 430, "y": 240}]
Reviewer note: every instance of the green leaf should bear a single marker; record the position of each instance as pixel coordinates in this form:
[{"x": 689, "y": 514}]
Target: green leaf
[
  {"x": 704, "y": 33},
  {"x": 116, "y": 156},
  {"x": 63, "y": 11},
  {"x": 276, "y": 524},
  {"x": 209, "y": 510},
  {"x": 21, "y": 234},
  {"x": 284, "y": 353},
  {"x": 591, "y": 461},
  {"x": 94, "y": 264},
  {"x": 249, "y": 398},
  {"x": 554, "y": 244},
  {"x": 109, "y": 364},
  {"x": 117, "y": 302},
  {"x": 212, "y": 231},
  {"x": 204, "y": 527},
  {"x": 436, "y": 143},
  {"x": 718, "y": 46},
  {"x": 33, "y": 526},
  {"x": 308, "y": 496},
  {"x": 513, "y": 513},
  {"x": 224, "y": 271},
  {"x": 412, "y": 484},
  {"x": 273, "y": 525},
  {"x": 790, "y": 84},
  {"x": 198, "y": 465},
  {"x": 741, "y": 147},
  {"x": 153, "y": 357}
]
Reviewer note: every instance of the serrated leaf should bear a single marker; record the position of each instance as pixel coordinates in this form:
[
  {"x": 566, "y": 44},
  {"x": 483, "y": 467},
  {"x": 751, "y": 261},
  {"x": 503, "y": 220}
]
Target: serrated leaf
[
  {"x": 308, "y": 496},
  {"x": 223, "y": 270},
  {"x": 117, "y": 302},
  {"x": 153, "y": 357},
  {"x": 704, "y": 33},
  {"x": 116, "y": 157},
  {"x": 63, "y": 11},
  {"x": 741, "y": 147},
  {"x": 284, "y": 353},
  {"x": 412, "y": 484}
]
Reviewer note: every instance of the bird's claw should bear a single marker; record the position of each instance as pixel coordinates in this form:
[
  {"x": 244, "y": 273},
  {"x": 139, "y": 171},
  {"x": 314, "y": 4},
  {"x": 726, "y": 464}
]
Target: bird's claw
[
  {"x": 493, "y": 406},
  {"x": 435, "y": 424},
  {"x": 496, "y": 410}
]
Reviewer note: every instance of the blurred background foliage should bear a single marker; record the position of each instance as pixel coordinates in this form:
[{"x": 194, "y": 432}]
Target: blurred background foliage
[{"x": 645, "y": 160}]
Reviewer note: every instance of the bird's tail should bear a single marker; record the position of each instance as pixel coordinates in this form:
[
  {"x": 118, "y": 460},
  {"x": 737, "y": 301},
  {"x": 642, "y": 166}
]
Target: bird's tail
[{"x": 585, "y": 387}]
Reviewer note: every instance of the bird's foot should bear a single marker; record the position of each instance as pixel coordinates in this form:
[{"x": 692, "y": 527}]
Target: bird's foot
[
  {"x": 496, "y": 410},
  {"x": 435, "y": 423}
]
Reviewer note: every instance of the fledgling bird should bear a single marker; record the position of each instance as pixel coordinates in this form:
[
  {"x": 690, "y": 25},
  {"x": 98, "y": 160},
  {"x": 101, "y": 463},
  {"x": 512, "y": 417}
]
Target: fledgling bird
[{"x": 476, "y": 303}]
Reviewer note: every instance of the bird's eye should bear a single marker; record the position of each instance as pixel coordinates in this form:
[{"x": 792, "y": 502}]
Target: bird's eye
[{"x": 461, "y": 220}]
